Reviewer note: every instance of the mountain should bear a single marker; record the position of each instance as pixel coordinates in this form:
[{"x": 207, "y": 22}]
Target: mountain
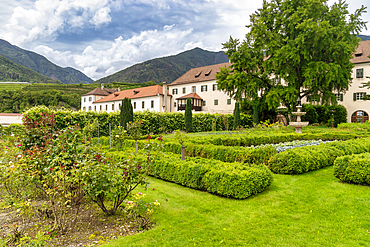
[
  {"x": 42, "y": 65},
  {"x": 11, "y": 71},
  {"x": 167, "y": 68},
  {"x": 363, "y": 37}
]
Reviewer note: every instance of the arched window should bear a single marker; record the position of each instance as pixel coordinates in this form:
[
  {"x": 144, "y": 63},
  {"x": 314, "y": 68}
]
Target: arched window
[{"x": 359, "y": 117}]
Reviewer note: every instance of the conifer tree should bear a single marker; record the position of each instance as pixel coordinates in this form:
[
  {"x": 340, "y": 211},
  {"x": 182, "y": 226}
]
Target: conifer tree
[
  {"x": 188, "y": 116},
  {"x": 127, "y": 112},
  {"x": 236, "y": 116}
]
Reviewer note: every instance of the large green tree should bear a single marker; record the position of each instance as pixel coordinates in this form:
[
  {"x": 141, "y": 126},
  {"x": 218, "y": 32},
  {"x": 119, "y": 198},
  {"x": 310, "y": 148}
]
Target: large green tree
[
  {"x": 294, "y": 49},
  {"x": 188, "y": 116}
]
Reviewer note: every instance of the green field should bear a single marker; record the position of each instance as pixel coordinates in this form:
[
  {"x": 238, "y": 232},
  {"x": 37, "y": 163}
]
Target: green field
[
  {"x": 314, "y": 209},
  {"x": 11, "y": 87}
]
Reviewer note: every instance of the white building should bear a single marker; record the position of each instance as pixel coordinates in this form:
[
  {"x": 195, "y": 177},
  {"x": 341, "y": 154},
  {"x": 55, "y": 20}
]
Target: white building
[
  {"x": 200, "y": 85},
  {"x": 151, "y": 98}
]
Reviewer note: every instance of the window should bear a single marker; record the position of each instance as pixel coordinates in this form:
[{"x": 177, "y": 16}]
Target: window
[
  {"x": 152, "y": 104},
  {"x": 89, "y": 108},
  {"x": 229, "y": 101},
  {"x": 84, "y": 99},
  {"x": 106, "y": 107},
  {"x": 84, "y": 108},
  {"x": 95, "y": 108},
  {"x": 339, "y": 96},
  {"x": 100, "y": 107},
  {"x": 194, "y": 89},
  {"x": 143, "y": 104},
  {"x": 276, "y": 81},
  {"x": 203, "y": 88},
  {"x": 90, "y": 98},
  {"x": 214, "y": 87},
  {"x": 174, "y": 91},
  {"x": 359, "y": 96},
  {"x": 174, "y": 104},
  {"x": 313, "y": 98},
  {"x": 204, "y": 103},
  {"x": 112, "y": 107},
  {"x": 134, "y": 105},
  {"x": 359, "y": 73},
  {"x": 184, "y": 90},
  {"x": 216, "y": 102},
  {"x": 119, "y": 106}
]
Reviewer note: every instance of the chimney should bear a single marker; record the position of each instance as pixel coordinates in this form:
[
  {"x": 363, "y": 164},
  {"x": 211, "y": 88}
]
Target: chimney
[
  {"x": 165, "y": 96},
  {"x": 119, "y": 89},
  {"x": 102, "y": 86}
]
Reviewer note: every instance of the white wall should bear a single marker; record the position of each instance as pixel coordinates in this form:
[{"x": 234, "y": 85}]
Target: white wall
[{"x": 208, "y": 96}]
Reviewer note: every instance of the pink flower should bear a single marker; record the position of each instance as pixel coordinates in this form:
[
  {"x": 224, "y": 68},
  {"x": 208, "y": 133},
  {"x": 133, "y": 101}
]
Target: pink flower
[
  {"x": 130, "y": 202},
  {"x": 140, "y": 194},
  {"x": 19, "y": 145}
]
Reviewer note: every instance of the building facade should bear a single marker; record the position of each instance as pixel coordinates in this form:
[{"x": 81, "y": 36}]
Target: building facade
[
  {"x": 200, "y": 85},
  {"x": 151, "y": 98}
]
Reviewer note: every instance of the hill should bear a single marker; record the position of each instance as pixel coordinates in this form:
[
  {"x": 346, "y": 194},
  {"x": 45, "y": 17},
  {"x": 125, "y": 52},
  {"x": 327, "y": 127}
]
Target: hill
[
  {"x": 167, "y": 68},
  {"x": 363, "y": 37},
  {"x": 42, "y": 65},
  {"x": 11, "y": 71}
]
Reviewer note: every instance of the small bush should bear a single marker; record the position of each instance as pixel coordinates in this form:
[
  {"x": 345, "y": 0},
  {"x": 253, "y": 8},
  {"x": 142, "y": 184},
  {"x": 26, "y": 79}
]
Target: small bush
[{"x": 353, "y": 168}]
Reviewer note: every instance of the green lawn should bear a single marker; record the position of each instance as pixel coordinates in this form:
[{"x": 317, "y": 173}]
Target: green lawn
[
  {"x": 314, "y": 209},
  {"x": 11, "y": 87}
]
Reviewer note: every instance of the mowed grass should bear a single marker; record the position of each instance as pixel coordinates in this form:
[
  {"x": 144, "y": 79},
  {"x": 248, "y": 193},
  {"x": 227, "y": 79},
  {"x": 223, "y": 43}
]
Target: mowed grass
[{"x": 314, "y": 209}]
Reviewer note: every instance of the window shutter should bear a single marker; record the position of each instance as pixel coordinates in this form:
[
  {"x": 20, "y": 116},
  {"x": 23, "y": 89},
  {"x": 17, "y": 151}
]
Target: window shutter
[
  {"x": 341, "y": 97},
  {"x": 354, "y": 96}
]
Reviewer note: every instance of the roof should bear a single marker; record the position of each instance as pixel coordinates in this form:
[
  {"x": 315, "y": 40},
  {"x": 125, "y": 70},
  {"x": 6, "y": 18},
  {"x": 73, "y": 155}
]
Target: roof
[
  {"x": 190, "y": 95},
  {"x": 362, "y": 52},
  {"x": 200, "y": 74},
  {"x": 134, "y": 93},
  {"x": 10, "y": 114},
  {"x": 99, "y": 91}
]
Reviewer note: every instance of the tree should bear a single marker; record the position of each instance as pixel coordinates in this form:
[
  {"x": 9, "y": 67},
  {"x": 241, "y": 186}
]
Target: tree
[
  {"x": 236, "y": 116},
  {"x": 306, "y": 43},
  {"x": 188, "y": 116},
  {"x": 127, "y": 112}
]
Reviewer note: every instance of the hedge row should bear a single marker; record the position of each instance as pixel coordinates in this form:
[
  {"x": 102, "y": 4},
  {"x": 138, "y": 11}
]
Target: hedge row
[
  {"x": 224, "y": 153},
  {"x": 353, "y": 168},
  {"x": 226, "y": 179},
  {"x": 152, "y": 122},
  {"x": 269, "y": 138},
  {"x": 304, "y": 159},
  {"x": 233, "y": 180}
]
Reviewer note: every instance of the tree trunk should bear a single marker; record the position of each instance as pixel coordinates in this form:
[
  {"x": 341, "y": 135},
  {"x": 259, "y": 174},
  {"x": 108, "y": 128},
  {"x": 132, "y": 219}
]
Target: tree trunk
[
  {"x": 137, "y": 147},
  {"x": 183, "y": 152}
]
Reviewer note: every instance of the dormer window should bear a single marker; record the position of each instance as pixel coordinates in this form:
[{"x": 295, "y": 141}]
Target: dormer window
[
  {"x": 136, "y": 92},
  {"x": 198, "y": 74},
  {"x": 208, "y": 72},
  {"x": 116, "y": 94}
]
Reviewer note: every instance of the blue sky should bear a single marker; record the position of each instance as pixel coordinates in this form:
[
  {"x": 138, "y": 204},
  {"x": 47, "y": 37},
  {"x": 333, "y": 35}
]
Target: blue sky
[{"x": 101, "y": 37}]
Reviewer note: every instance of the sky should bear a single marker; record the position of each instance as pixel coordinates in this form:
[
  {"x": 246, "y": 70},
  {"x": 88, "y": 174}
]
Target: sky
[{"x": 101, "y": 37}]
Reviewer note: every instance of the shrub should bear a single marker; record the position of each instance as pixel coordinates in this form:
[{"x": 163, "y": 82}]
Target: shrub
[
  {"x": 353, "y": 168},
  {"x": 304, "y": 159},
  {"x": 325, "y": 114},
  {"x": 234, "y": 180},
  {"x": 126, "y": 112}
]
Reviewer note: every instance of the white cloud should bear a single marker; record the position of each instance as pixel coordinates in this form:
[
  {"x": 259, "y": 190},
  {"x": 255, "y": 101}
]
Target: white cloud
[
  {"x": 98, "y": 63},
  {"x": 46, "y": 19}
]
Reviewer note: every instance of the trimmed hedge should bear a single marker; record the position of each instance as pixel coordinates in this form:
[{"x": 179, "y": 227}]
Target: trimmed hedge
[
  {"x": 152, "y": 122},
  {"x": 224, "y": 153},
  {"x": 233, "y": 180},
  {"x": 269, "y": 138},
  {"x": 226, "y": 179},
  {"x": 353, "y": 168},
  {"x": 304, "y": 159}
]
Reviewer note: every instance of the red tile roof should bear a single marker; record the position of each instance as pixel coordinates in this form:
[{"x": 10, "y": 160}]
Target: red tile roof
[
  {"x": 362, "y": 52},
  {"x": 190, "y": 95},
  {"x": 10, "y": 114},
  {"x": 206, "y": 73},
  {"x": 134, "y": 93}
]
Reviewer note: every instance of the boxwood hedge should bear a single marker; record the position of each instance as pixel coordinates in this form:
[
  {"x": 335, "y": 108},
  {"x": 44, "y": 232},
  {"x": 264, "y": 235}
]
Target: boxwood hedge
[
  {"x": 304, "y": 159},
  {"x": 353, "y": 168}
]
